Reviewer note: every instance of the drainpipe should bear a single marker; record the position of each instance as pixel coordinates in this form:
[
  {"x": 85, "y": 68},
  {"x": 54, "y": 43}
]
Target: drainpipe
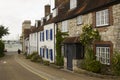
[
  {"x": 37, "y": 42},
  {"x": 55, "y": 28}
]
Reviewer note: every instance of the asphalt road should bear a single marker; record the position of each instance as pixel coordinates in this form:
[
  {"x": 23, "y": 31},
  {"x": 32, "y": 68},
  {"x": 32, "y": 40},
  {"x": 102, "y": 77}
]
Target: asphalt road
[{"x": 11, "y": 70}]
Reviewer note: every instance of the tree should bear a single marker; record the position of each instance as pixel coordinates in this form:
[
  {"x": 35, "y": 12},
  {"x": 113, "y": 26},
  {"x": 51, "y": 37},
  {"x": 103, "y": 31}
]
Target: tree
[{"x": 3, "y": 31}]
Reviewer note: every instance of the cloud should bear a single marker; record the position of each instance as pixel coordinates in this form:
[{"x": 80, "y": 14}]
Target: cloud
[{"x": 14, "y": 12}]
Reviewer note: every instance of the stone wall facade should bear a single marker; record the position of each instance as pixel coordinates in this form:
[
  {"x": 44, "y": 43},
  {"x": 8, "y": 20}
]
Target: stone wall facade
[
  {"x": 116, "y": 24},
  {"x": 109, "y": 33}
]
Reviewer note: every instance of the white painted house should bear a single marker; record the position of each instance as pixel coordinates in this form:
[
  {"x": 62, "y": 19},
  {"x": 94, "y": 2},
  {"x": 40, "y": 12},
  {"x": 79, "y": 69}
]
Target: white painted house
[
  {"x": 46, "y": 41},
  {"x": 33, "y": 42}
]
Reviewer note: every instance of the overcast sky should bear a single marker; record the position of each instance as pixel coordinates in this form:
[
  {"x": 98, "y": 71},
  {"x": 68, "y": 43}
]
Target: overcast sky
[{"x": 14, "y": 12}]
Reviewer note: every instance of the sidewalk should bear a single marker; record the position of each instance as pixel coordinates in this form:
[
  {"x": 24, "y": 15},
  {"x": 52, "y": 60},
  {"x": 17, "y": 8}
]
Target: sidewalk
[{"x": 50, "y": 73}]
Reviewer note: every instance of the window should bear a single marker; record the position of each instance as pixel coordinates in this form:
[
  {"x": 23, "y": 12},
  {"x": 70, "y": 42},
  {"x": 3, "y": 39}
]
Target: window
[
  {"x": 64, "y": 26},
  {"x": 79, "y": 20},
  {"x": 41, "y": 36},
  {"x": 51, "y": 54},
  {"x": 103, "y": 54},
  {"x": 102, "y": 18},
  {"x": 49, "y": 34},
  {"x": 55, "y": 12},
  {"x": 47, "y": 53},
  {"x": 46, "y": 34},
  {"x": 73, "y": 4}
]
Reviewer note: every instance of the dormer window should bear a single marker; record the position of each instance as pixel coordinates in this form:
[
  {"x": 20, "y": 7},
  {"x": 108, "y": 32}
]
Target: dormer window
[
  {"x": 73, "y": 4},
  {"x": 64, "y": 26},
  {"x": 79, "y": 20},
  {"x": 55, "y": 12},
  {"x": 41, "y": 21}
]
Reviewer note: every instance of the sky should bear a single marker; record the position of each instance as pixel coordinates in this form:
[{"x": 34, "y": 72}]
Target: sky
[{"x": 14, "y": 12}]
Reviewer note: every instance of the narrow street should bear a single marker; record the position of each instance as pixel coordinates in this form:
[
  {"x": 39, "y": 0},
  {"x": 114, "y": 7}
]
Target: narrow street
[
  {"x": 11, "y": 70},
  {"x": 16, "y": 67}
]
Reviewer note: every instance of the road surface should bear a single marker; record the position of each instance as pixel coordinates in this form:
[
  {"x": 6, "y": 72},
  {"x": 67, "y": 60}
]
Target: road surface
[
  {"x": 11, "y": 70},
  {"x": 16, "y": 67}
]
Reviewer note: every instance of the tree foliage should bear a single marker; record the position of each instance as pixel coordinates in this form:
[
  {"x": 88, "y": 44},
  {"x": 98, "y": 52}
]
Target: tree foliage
[
  {"x": 89, "y": 35},
  {"x": 3, "y": 31},
  {"x": 1, "y": 48}
]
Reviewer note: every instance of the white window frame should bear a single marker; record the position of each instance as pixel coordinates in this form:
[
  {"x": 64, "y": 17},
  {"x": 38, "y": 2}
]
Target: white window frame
[
  {"x": 79, "y": 20},
  {"x": 55, "y": 12},
  {"x": 103, "y": 55},
  {"x": 102, "y": 18},
  {"x": 65, "y": 26},
  {"x": 73, "y": 4}
]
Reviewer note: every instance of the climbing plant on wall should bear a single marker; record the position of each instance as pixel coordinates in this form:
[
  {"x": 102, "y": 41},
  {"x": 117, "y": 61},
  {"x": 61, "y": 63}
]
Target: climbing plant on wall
[
  {"x": 59, "y": 39},
  {"x": 89, "y": 35}
]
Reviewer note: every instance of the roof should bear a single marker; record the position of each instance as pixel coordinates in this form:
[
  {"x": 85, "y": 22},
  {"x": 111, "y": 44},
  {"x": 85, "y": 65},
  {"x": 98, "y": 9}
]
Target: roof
[
  {"x": 84, "y": 6},
  {"x": 71, "y": 40}
]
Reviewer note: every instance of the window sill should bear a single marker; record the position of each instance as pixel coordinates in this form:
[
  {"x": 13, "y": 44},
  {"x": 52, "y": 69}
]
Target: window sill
[
  {"x": 79, "y": 24},
  {"x": 102, "y": 26}
]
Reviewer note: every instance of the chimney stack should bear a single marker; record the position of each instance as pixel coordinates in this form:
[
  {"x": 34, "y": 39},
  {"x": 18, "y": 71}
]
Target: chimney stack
[{"x": 47, "y": 10}]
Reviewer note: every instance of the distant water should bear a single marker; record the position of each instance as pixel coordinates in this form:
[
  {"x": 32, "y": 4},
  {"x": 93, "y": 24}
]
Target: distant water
[{"x": 13, "y": 46}]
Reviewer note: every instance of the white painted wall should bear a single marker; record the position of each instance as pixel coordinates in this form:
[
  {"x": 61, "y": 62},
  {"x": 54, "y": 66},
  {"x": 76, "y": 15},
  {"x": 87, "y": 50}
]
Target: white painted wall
[
  {"x": 33, "y": 42},
  {"x": 50, "y": 44}
]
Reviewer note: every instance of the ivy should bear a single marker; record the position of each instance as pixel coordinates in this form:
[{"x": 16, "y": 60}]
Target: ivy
[{"x": 59, "y": 39}]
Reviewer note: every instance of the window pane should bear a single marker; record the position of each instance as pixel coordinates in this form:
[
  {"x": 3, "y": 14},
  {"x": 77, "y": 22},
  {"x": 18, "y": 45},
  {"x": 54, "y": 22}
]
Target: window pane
[
  {"x": 102, "y": 18},
  {"x": 103, "y": 55}
]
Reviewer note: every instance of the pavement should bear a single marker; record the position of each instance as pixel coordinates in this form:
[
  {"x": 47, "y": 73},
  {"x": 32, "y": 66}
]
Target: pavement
[
  {"x": 50, "y": 73},
  {"x": 16, "y": 67}
]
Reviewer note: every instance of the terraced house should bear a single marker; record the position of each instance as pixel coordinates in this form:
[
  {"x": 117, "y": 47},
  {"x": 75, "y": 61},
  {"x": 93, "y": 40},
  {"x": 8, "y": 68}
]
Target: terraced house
[
  {"x": 103, "y": 15},
  {"x": 69, "y": 16}
]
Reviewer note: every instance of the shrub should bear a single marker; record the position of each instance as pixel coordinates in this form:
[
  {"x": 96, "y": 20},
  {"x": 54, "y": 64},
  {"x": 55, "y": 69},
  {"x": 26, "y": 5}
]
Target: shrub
[
  {"x": 1, "y": 49},
  {"x": 94, "y": 66},
  {"x": 47, "y": 63},
  {"x": 34, "y": 57},
  {"x": 60, "y": 61},
  {"x": 116, "y": 63},
  {"x": 89, "y": 63}
]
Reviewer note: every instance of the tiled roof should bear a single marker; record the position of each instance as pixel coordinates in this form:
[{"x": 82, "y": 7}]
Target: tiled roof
[
  {"x": 84, "y": 6},
  {"x": 71, "y": 40}
]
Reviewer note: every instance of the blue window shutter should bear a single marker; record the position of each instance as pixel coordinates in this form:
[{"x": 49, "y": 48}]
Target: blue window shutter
[
  {"x": 40, "y": 36},
  {"x": 43, "y": 36},
  {"x": 51, "y": 54},
  {"x": 51, "y": 33},
  {"x": 40, "y": 52},
  {"x": 46, "y": 34},
  {"x": 47, "y": 53},
  {"x": 43, "y": 52}
]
